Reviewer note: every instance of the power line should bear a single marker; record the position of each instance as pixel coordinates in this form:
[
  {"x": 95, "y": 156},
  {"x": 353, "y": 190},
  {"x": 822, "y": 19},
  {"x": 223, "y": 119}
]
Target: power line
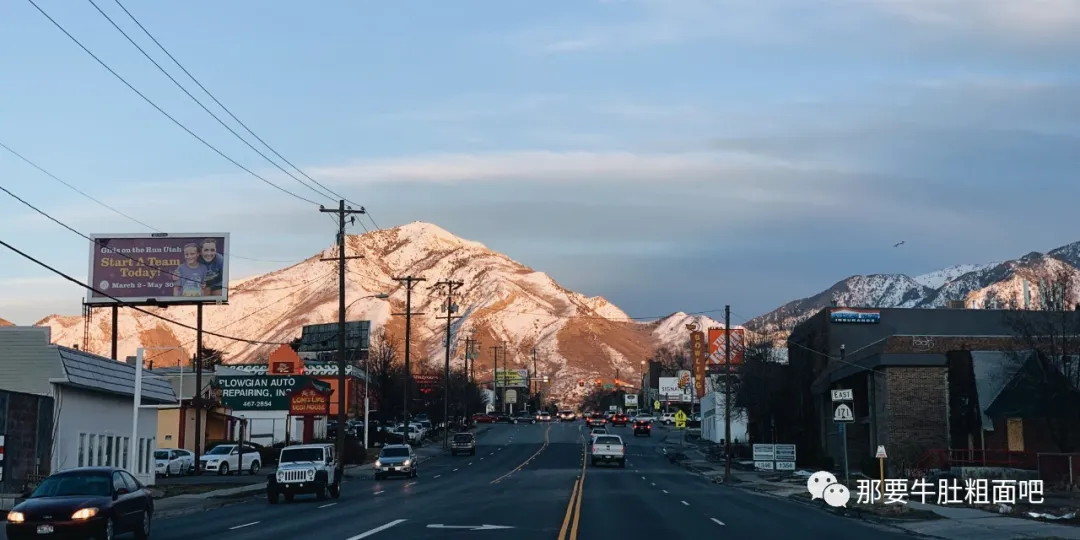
[
  {"x": 122, "y": 303},
  {"x": 598, "y": 318},
  {"x": 162, "y": 111},
  {"x": 195, "y": 99},
  {"x": 41, "y": 169},
  {"x": 224, "y": 108}
]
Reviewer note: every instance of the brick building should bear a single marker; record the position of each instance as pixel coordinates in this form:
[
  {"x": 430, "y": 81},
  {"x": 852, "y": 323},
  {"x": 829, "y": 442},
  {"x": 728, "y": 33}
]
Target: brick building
[{"x": 924, "y": 381}]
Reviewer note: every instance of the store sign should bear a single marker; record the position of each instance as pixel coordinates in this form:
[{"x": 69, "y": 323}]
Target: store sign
[
  {"x": 262, "y": 392},
  {"x": 309, "y": 401}
]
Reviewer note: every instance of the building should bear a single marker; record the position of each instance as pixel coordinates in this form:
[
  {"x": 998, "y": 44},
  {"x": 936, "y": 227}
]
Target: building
[
  {"x": 176, "y": 426},
  {"x": 25, "y": 441},
  {"x": 927, "y": 383},
  {"x": 93, "y": 409}
]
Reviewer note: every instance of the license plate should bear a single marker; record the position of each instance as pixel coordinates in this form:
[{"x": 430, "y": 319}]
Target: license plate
[{"x": 44, "y": 529}]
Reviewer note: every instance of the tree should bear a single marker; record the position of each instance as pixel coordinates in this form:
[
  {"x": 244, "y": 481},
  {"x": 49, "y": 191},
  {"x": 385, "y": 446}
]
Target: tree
[
  {"x": 762, "y": 386},
  {"x": 211, "y": 359},
  {"x": 673, "y": 359},
  {"x": 1047, "y": 349}
]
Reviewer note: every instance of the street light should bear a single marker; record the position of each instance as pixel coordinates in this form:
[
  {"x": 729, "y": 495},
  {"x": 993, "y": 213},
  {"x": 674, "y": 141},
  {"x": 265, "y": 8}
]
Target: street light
[{"x": 367, "y": 375}]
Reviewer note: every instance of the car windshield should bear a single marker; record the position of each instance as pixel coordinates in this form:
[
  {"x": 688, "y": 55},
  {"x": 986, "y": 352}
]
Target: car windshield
[
  {"x": 293, "y": 455},
  {"x": 464, "y": 437},
  {"x": 607, "y": 440},
  {"x": 68, "y": 485},
  {"x": 161, "y": 454},
  {"x": 221, "y": 450},
  {"x": 394, "y": 452}
]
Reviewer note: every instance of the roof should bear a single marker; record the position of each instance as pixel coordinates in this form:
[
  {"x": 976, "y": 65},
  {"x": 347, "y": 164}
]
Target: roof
[
  {"x": 994, "y": 370},
  {"x": 92, "y": 372},
  {"x": 98, "y": 470},
  {"x": 315, "y": 369},
  {"x": 295, "y": 446}
]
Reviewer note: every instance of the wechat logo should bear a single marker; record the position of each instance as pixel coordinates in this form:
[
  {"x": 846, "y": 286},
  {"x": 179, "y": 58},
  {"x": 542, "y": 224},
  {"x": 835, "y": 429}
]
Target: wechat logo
[{"x": 823, "y": 485}]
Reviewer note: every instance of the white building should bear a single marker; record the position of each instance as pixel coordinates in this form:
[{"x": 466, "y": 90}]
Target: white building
[
  {"x": 713, "y": 421},
  {"x": 93, "y": 401}
]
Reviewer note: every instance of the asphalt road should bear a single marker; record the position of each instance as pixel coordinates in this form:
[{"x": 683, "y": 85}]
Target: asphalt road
[{"x": 532, "y": 482}]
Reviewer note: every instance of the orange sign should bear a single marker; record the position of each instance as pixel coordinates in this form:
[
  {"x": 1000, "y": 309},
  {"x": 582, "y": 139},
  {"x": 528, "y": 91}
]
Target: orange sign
[
  {"x": 697, "y": 351},
  {"x": 285, "y": 361},
  {"x": 309, "y": 402},
  {"x": 282, "y": 368},
  {"x": 717, "y": 348}
]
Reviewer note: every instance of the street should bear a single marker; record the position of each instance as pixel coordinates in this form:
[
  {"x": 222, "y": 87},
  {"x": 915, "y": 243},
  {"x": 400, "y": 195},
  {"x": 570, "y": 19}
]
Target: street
[{"x": 521, "y": 481}]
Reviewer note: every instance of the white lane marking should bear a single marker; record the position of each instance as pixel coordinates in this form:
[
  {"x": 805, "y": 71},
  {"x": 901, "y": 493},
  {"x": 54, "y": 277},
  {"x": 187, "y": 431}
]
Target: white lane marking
[
  {"x": 685, "y": 503},
  {"x": 410, "y": 484},
  {"x": 455, "y": 470},
  {"x": 327, "y": 505},
  {"x": 436, "y": 476},
  {"x": 377, "y": 530},
  {"x": 717, "y": 521},
  {"x": 642, "y": 477},
  {"x": 664, "y": 490},
  {"x": 492, "y": 454},
  {"x": 481, "y": 459},
  {"x": 470, "y": 463},
  {"x": 244, "y": 525},
  {"x": 378, "y": 492},
  {"x": 654, "y": 484}
]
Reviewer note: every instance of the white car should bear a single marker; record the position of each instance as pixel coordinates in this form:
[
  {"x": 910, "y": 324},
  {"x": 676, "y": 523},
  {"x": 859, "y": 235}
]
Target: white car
[
  {"x": 667, "y": 418},
  {"x": 643, "y": 418},
  {"x": 225, "y": 459},
  {"x": 170, "y": 461},
  {"x": 416, "y": 433},
  {"x": 596, "y": 431}
]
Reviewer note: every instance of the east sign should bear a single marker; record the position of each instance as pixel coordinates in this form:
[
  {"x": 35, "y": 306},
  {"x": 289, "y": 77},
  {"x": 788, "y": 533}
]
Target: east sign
[{"x": 264, "y": 392}]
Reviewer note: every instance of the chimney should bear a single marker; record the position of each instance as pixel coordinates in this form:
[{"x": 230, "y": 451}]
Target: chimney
[{"x": 132, "y": 359}]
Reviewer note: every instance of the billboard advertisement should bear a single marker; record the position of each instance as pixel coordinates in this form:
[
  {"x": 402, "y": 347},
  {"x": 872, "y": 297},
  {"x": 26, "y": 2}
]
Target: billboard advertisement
[
  {"x": 191, "y": 268},
  {"x": 697, "y": 351},
  {"x": 854, "y": 315},
  {"x": 669, "y": 388},
  {"x": 512, "y": 378},
  {"x": 630, "y": 400},
  {"x": 718, "y": 352}
]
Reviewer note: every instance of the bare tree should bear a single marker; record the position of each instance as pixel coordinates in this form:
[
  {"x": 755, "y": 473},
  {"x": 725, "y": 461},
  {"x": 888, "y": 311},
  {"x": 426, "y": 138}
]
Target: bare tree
[
  {"x": 760, "y": 389},
  {"x": 673, "y": 359},
  {"x": 1048, "y": 349}
]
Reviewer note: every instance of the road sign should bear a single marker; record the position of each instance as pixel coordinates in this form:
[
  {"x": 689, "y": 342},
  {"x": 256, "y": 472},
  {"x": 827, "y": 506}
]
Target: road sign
[
  {"x": 785, "y": 465},
  {"x": 763, "y": 466},
  {"x": 881, "y": 452},
  {"x": 510, "y": 396},
  {"x": 784, "y": 452},
  {"x": 680, "y": 420},
  {"x": 843, "y": 395},
  {"x": 842, "y": 413},
  {"x": 764, "y": 452},
  {"x": 656, "y": 405}
]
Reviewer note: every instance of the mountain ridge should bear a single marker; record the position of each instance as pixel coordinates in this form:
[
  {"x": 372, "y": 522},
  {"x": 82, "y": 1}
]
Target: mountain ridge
[
  {"x": 971, "y": 283},
  {"x": 502, "y": 302}
]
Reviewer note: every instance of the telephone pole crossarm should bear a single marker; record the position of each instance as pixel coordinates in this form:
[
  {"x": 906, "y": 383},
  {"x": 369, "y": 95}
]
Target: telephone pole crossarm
[{"x": 410, "y": 282}]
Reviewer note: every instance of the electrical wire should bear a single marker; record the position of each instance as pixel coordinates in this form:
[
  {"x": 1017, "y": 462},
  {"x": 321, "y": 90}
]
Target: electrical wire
[
  {"x": 218, "y": 102},
  {"x": 122, "y": 303},
  {"x": 200, "y": 103},
  {"x": 240, "y": 288},
  {"x": 106, "y": 206},
  {"x": 234, "y": 321},
  {"x": 162, "y": 111}
]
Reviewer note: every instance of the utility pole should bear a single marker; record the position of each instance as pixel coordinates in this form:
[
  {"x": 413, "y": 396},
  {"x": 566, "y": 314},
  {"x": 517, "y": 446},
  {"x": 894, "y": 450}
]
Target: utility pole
[
  {"x": 495, "y": 375},
  {"x": 345, "y": 215},
  {"x": 469, "y": 343},
  {"x": 532, "y": 376},
  {"x": 409, "y": 282},
  {"x": 451, "y": 308},
  {"x": 727, "y": 392}
]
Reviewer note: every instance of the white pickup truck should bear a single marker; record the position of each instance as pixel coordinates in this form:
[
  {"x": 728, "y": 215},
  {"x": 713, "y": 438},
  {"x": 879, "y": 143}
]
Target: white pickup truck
[{"x": 608, "y": 449}]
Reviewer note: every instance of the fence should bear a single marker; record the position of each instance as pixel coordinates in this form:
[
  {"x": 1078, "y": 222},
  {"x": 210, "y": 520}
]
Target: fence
[{"x": 26, "y": 435}]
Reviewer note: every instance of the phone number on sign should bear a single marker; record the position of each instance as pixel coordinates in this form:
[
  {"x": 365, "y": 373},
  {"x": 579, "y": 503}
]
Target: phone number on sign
[{"x": 256, "y": 404}]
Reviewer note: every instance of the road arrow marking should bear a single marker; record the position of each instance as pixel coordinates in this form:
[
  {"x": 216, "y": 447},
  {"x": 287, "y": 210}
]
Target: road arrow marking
[{"x": 469, "y": 527}]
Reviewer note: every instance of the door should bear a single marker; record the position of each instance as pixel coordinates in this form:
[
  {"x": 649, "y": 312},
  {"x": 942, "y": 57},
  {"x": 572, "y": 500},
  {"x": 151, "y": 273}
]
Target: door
[
  {"x": 122, "y": 503},
  {"x": 139, "y": 499}
]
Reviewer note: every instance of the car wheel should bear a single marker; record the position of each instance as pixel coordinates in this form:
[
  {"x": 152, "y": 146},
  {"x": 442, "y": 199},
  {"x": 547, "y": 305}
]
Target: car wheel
[
  {"x": 472, "y": 452},
  {"x": 320, "y": 492},
  {"x": 167, "y": 473},
  {"x": 289, "y": 497},
  {"x": 110, "y": 530},
  {"x": 622, "y": 464},
  {"x": 335, "y": 489},
  {"x": 271, "y": 496},
  {"x": 255, "y": 466},
  {"x": 223, "y": 470},
  {"x": 143, "y": 530}
]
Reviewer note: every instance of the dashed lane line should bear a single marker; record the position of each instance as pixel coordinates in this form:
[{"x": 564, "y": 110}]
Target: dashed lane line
[
  {"x": 685, "y": 503},
  {"x": 717, "y": 521},
  {"x": 244, "y": 525},
  {"x": 377, "y": 530},
  {"x": 327, "y": 505},
  {"x": 379, "y": 492}
]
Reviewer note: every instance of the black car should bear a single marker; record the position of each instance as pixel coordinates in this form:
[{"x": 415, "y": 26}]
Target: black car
[
  {"x": 642, "y": 427},
  {"x": 505, "y": 419},
  {"x": 88, "y": 502}
]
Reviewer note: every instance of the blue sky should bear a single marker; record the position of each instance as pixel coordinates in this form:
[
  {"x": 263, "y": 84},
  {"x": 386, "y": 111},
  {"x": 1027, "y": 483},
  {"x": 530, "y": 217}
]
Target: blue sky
[{"x": 667, "y": 154}]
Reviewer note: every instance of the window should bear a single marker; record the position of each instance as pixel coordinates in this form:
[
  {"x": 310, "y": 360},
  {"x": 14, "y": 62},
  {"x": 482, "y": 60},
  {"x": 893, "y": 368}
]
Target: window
[
  {"x": 1015, "y": 431},
  {"x": 90, "y": 451},
  {"x": 82, "y": 449},
  {"x": 146, "y": 456},
  {"x": 118, "y": 482},
  {"x": 100, "y": 450},
  {"x": 109, "y": 451},
  {"x": 133, "y": 485},
  {"x": 127, "y": 443},
  {"x": 139, "y": 469}
]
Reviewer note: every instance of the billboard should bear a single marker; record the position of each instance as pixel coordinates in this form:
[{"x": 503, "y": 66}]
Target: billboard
[
  {"x": 854, "y": 315},
  {"x": 512, "y": 378},
  {"x": 263, "y": 392},
  {"x": 190, "y": 268},
  {"x": 669, "y": 388},
  {"x": 630, "y": 400},
  {"x": 697, "y": 349},
  {"x": 718, "y": 352}
]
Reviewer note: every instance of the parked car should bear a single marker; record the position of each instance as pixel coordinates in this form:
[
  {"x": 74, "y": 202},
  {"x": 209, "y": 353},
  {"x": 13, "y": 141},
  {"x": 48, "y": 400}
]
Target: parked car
[
  {"x": 170, "y": 461},
  {"x": 225, "y": 459},
  {"x": 88, "y": 502},
  {"x": 481, "y": 418}
]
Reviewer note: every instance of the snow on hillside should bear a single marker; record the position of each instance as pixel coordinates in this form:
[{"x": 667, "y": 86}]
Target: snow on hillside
[
  {"x": 937, "y": 278},
  {"x": 501, "y": 303}
]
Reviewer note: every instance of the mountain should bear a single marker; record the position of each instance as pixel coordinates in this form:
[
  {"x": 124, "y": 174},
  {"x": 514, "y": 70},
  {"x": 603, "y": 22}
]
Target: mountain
[
  {"x": 502, "y": 301},
  {"x": 971, "y": 283},
  {"x": 5, "y": 322}
]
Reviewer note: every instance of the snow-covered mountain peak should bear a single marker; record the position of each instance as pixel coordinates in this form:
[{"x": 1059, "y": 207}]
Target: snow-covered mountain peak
[{"x": 937, "y": 278}]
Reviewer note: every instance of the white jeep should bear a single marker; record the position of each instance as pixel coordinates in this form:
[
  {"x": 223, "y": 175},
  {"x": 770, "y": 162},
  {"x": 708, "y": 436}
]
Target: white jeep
[{"x": 305, "y": 469}]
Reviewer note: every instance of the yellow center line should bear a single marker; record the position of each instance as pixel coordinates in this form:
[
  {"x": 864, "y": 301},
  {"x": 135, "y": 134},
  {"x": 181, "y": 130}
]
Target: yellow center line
[
  {"x": 569, "y": 511},
  {"x": 547, "y": 438},
  {"x": 573, "y": 510},
  {"x": 580, "y": 496}
]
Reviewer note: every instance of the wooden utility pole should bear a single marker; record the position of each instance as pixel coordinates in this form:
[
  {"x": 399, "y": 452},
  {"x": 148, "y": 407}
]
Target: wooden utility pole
[
  {"x": 495, "y": 374},
  {"x": 727, "y": 393},
  {"x": 451, "y": 308},
  {"x": 409, "y": 283},
  {"x": 345, "y": 215},
  {"x": 469, "y": 355}
]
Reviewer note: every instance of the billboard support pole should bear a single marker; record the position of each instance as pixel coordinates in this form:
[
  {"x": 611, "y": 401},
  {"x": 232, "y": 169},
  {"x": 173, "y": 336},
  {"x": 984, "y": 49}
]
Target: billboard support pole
[
  {"x": 197, "y": 395},
  {"x": 115, "y": 318},
  {"x": 727, "y": 392}
]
